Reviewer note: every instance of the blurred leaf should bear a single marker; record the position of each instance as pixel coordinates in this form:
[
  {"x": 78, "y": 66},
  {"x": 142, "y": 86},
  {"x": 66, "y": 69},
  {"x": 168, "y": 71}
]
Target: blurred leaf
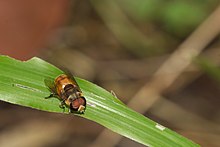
[
  {"x": 124, "y": 29},
  {"x": 141, "y": 9},
  {"x": 22, "y": 83},
  {"x": 209, "y": 68},
  {"x": 181, "y": 17}
]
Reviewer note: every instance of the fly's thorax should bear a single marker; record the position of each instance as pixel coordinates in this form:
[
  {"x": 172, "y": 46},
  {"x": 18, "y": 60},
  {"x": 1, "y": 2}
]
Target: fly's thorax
[
  {"x": 72, "y": 97},
  {"x": 71, "y": 91}
]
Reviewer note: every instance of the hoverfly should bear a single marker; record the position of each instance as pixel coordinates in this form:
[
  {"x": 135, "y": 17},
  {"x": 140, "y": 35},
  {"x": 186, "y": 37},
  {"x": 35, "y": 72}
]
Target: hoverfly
[{"x": 67, "y": 90}]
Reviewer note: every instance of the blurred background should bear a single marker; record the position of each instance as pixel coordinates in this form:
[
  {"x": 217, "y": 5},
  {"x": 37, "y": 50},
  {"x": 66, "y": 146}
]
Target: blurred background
[{"x": 161, "y": 58}]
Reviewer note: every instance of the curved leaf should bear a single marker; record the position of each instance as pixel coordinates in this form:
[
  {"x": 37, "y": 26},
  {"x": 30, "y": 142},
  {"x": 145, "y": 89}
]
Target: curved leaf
[{"x": 22, "y": 83}]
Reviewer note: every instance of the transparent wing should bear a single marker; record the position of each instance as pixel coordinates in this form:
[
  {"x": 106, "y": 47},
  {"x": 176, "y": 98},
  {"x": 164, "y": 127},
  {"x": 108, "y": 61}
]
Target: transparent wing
[
  {"x": 49, "y": 82},
  {"x": 77, "y": 86},
  {"x": 70, "y": 75}
]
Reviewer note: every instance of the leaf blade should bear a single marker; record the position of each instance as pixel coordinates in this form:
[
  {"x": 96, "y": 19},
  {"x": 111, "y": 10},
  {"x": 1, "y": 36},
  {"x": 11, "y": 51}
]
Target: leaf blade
[{"x": 22, "y": 83}]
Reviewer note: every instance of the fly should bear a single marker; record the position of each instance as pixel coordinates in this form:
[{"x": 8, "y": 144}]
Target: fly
[{"x": 67, "y": 90}]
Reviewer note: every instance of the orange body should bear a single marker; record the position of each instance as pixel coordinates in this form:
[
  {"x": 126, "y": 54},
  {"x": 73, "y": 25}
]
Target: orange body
[
  {"x": 67, "y": 89},
  {"x": 61, "y": 81}
]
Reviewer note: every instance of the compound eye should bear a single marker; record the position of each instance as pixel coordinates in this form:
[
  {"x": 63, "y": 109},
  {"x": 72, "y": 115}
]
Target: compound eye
[{"x": 78, "y": 104}]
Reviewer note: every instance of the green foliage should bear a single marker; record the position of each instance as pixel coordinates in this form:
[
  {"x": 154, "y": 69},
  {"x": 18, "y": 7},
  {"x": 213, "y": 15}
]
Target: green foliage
[
  {"x": 177, "y": 17},
  {"x": 182, "y": 17},
  {"x": 22, "y": 83},
  {"x": 209, "y": 68},
  {"x": 141, "y": 10}
]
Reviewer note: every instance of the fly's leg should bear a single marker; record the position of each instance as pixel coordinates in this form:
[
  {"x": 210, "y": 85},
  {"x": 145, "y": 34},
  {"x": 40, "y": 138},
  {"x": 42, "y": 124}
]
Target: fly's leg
[
  {"x": 62, "y": 103},
  {"x": 70, "y": 111},
  {"x": 51, "y": 95}
]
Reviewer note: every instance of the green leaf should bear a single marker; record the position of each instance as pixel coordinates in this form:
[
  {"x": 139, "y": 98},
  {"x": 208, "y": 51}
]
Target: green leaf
[
  {"x": 22, "y": 83},
  {"x": 209, "y": 68}
]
